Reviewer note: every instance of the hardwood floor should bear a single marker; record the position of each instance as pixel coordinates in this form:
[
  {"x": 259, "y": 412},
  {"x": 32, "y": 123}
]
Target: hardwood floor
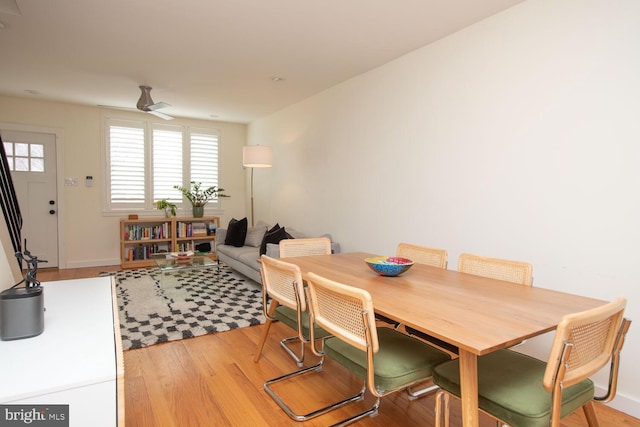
[{"x": 213, "y": 381}]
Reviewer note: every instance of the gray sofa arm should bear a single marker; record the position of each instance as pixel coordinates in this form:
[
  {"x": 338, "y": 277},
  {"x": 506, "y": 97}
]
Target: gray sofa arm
[
  {"x": 221, "y": 235},
  {"x": 273, "y": 250}
]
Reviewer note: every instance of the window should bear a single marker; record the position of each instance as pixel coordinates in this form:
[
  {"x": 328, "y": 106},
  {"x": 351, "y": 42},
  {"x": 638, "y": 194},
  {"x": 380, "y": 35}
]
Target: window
[
  {"x": 145, "y": 160},
  {"x": 25, "y": 157}
]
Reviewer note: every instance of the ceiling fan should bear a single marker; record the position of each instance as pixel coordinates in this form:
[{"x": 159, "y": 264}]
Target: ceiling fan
[{"x": 145, "y": 103}]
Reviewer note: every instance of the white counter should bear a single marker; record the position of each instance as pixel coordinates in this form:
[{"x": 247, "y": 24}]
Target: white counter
[{"x": 77, "y": 360}]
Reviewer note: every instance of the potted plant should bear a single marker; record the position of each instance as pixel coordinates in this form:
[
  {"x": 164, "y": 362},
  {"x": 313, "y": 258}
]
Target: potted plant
[
  {"x": 199, "y": 196},
  {"x": 166, "y": 206}
]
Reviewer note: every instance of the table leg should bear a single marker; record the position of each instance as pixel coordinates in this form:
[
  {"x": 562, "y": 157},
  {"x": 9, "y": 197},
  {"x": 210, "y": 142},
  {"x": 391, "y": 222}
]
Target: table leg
[{"x": 469, "y": 388}]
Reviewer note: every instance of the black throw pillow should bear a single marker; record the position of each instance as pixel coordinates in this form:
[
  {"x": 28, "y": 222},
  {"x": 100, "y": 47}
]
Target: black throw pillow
[
  {"x": 274, "y": 228},
  {"x": 263, "y": 244},
  {"x": 273, "y": 237},
  {"x": 236, "y": 232}
]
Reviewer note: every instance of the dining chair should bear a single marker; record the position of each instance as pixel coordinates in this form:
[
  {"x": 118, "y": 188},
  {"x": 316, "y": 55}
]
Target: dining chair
[
  {"x": 421, "y": 255},
  {"x": 279, "y": 283},
  {"x": 518, "y": 272},
  {"x": 523, "y": 391},
  {"x": 304, "y": 247},
  {"x": 282, "y": 281},
  {"x": 384, "y": 358},
  {"x": 435, "y": 258}
]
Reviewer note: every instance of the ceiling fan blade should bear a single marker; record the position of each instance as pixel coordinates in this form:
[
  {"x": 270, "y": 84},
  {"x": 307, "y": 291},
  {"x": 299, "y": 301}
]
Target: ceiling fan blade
[
  {"x": 116, "y": 107},
  {"x": 157, "y": 105},
  {"x": 161, "y": 115}
]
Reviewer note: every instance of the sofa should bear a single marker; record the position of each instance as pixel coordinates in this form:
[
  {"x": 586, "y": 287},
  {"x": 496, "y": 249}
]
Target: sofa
[{"x": 244, "y": 258}]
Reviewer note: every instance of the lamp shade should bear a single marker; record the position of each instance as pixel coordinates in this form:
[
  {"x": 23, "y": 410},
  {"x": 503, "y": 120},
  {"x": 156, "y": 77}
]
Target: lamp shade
[{"x": 257, "y": 156}]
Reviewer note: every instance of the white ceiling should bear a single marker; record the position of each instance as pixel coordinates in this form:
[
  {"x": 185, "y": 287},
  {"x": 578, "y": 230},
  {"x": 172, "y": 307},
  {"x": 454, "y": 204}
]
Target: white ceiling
[{"x": 212, "y": 59}]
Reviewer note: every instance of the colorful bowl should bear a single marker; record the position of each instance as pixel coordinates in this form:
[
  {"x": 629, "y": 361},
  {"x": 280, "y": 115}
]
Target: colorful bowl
[{"x": 388, "y": 266}]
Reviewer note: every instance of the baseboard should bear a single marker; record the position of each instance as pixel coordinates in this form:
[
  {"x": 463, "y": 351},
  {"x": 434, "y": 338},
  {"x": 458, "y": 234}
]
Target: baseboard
[
  {"x": 92, "y": 263},
  {"x": 622, "y": 403}
]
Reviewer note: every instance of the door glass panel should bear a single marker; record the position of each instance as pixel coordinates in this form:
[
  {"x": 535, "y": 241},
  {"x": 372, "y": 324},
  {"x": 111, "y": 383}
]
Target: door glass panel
[
  {"x": 37, "y": 165},
  {"x": 22, "y": 150},
  {"x": 22, "y": 164},
  {"x": 37, "y": 150}
]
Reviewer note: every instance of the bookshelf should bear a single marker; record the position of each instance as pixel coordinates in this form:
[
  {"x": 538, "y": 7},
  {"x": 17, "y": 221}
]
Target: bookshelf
[{"x": 142, "y": 238}]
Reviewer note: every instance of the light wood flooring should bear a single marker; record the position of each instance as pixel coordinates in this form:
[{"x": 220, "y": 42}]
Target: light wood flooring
[{"x": 213, "y": 381}]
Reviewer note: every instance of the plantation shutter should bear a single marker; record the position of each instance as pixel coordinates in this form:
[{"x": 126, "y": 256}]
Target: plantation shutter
[
  {"x": 127, "y": 166},
  {"x": 167, "y": 164},
  {"x": 204, "y": 157}
]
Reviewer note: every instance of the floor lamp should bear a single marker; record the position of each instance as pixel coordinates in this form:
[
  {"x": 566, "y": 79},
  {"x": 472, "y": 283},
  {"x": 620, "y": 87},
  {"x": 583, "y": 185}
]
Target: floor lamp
[{"x": 256, "y": 156}]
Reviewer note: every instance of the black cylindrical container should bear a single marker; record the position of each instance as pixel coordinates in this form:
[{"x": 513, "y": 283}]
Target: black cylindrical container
[{"x": 21, "y": 313}]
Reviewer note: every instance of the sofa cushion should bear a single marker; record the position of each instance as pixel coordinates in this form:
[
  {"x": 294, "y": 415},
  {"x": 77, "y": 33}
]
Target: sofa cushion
[
  {"x": 236, "y": 252},
  {"x": 255, "y": 235},
  {"x": 236, "y": 232},
  {"x": 250, "y": 258}
]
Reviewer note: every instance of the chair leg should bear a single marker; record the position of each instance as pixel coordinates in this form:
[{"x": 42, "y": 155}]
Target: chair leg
[
  {"x": 442, "y": 409},
  {"x": 263, "y": 339},
  {"x": 267, "y": 325},
  {"x": 590, "y": 413},
  {"x": 314, "y": 413}
]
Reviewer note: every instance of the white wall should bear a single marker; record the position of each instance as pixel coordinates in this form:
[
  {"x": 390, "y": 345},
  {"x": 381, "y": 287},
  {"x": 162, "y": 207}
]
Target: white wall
[
  {"x": 89, "y": 237},
  {"x": 518, "y": 137}
]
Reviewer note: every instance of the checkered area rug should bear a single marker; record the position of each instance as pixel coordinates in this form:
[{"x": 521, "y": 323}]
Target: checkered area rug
[{"x": 155, "y": 309}]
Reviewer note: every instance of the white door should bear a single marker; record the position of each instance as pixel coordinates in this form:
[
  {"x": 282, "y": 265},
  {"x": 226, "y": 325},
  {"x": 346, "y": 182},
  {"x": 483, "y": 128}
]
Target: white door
[{"x": 32, "y": 159}]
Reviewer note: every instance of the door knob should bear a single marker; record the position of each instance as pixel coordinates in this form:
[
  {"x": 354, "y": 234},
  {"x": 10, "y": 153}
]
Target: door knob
[
  {"x": 51, "y": 202},
  {"x": 52, "y": 211}
]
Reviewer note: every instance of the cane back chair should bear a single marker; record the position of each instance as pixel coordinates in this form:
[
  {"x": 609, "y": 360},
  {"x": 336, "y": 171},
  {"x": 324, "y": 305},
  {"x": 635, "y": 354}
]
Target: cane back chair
[
  {"x": 496, "y": 268},
  {"x": 385, "y": 359},
  {"x": 423, "y": 254},
  {"x": 526, "y": 392},
  {"x": 304, "y": 247},
  {"x": 282, "y": 281},
  {"x": 435, "y": 258},
  {"x": 420, "y": 255},
  {"x": 517, "y": 272}
]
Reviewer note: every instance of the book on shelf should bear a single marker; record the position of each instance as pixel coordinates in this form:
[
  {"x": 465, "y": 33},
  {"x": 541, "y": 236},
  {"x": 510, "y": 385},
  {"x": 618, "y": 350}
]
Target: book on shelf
[
  {"x": 184, "y": 229},
  {"x": 142, "y": 252},
  {"x": 147, "y": 232},
  {"x": 199, "y": 229}
]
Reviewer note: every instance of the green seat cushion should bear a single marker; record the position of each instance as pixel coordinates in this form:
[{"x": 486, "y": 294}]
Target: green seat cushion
[
  {"x": 510, "y": 388},
  {"x": 400, "y": 361},
  {"x": 289, "y": 317}
]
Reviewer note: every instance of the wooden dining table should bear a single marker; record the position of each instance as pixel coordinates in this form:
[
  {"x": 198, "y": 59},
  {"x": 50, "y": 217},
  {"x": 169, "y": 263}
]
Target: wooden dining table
[{"x": 476, "y": 314}]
